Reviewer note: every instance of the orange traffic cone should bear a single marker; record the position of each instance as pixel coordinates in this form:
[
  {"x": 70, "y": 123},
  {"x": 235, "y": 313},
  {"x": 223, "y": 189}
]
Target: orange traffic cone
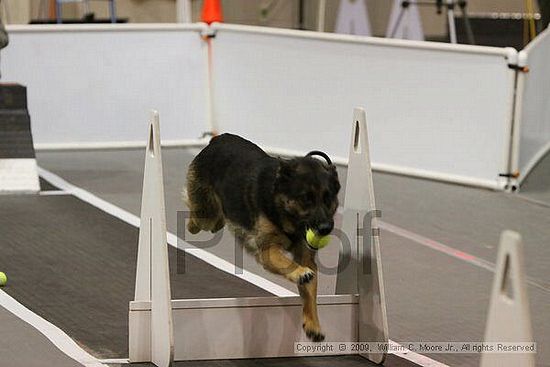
[{"x": 212, "y": 11}]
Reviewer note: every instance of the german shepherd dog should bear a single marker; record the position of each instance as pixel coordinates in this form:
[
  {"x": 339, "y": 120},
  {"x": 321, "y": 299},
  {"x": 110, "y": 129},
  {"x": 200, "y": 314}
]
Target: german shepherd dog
[{"x": 268, "y": 203}]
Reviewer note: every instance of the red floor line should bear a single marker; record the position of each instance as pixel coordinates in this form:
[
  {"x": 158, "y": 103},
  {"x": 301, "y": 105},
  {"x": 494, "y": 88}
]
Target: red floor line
[{"x": 450, "y": 251}]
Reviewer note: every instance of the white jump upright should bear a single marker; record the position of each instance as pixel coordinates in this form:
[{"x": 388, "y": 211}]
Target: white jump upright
[
  {"x": 509, "y": 318},
  {"x": 253, "y": 327},
  {"x": 152, "y": 273},
  {"x": 360, "y": 262}
]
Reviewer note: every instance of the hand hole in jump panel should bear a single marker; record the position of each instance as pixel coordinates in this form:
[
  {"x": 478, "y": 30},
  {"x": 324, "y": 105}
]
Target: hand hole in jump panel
[
  {"x": 356, "y": 147},
  {"x": 507, "y": 287},
  {"x": 151, "y": 142}
]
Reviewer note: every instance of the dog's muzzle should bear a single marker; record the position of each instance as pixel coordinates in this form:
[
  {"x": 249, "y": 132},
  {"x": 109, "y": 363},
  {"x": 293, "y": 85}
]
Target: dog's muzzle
[{"x": 324, "y": 229}]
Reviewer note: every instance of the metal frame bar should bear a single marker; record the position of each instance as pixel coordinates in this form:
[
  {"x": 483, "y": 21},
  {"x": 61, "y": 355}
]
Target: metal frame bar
[
  {"x": 333, "y": 37},
  {"x": 59, "y": 9}
]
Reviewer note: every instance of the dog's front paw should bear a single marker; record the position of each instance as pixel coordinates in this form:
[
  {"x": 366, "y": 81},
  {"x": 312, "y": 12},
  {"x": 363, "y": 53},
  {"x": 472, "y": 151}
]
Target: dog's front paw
[
  {"x": 313, "y": 333},
  {"x": 306, "y": 277},
  {"x": 302, "y": 275}
]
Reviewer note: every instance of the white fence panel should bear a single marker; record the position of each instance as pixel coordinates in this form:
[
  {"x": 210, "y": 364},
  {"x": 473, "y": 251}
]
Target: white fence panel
[
  {"x": 435, "y": 110},
  {"x": 534, "y": 104},
  {"x": 92, "y": 84}
]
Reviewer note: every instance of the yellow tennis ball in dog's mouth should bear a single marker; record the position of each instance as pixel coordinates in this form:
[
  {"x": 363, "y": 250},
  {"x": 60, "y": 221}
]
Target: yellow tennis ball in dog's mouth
[
  {"x": 3, "y": 279},
  {"x": 315, "y": 241}
]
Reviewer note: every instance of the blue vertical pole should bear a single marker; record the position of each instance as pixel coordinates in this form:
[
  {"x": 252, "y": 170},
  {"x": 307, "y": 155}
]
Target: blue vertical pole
[
  {"x": 113, "y": 11},
  {"x": 58, "y": 9}
]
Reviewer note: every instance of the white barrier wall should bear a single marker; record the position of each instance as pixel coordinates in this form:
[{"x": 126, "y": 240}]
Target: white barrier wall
[
  {"x": 533, "y": 104},
  {"x": 90, "y": 85},
  {"x": 435, "y": 110}
]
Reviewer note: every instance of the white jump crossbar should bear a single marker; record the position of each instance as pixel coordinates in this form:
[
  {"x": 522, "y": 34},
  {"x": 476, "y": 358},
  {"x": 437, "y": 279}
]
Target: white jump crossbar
[
  {"x": 226, "y": 328},
  {"x": 253, "y": 327}
]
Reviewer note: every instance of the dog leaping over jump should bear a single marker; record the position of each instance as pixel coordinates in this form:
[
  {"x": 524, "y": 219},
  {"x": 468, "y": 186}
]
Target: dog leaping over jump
[{"x": 268, "y": 203}]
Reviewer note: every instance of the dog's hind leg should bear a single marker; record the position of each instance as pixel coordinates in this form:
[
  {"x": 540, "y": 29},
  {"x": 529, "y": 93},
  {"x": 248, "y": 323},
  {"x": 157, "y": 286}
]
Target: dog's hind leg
[
  {"x": 205, "y": 208},
  {"x": 308, "y": 293}
]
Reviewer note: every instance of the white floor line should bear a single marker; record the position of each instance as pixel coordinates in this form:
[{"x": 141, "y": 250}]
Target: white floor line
[
  {"x": 61, "y": 340},
  {"x": 134, "y": 220},
  {"x": 522, "y": 196},
  {"x": 415, "y": 357},
  {"x": 53, "y": 193},
  {"x": 200, "y": 253},
  {"x": 115, "y": 360}
]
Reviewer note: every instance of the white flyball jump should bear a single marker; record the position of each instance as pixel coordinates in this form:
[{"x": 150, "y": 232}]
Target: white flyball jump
[
  {"x": 509, "y": 318},
  {"x": 162, "y": 330},
  {"x": 256, "y": 326}
]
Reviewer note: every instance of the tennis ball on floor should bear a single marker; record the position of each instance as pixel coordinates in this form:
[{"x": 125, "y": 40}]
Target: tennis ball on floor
[
  {"x": 3, "y": 279},
  {"x": 315, "y": 241}
]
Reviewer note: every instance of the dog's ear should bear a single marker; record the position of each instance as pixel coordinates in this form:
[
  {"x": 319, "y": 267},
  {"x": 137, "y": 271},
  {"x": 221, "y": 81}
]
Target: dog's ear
[
  {"x": 286, "y": 170},
  {"x": 332, "y": 168},
  {"x": 335, "y": 181}
]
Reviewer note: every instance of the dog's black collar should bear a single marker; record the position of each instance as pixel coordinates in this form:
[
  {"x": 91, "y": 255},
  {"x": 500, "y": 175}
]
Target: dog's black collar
[{"x": 320, "y": 154}]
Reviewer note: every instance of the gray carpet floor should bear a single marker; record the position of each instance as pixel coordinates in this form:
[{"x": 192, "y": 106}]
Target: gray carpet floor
[
  {"x": 430, "y": 295},
  {"x": 75, "y": 266}
]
